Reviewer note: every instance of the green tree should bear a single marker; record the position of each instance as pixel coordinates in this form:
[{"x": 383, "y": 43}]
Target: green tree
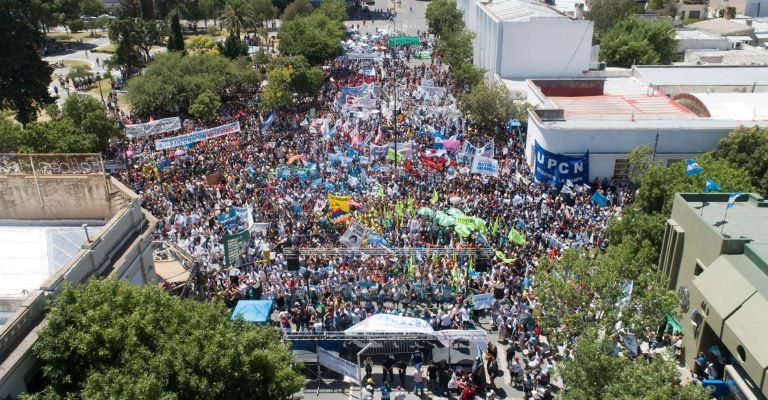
[
  {"x": 198, "y": 10},
  {"x": 76, "y": 25},
  {"x": 306, "y": 79},
  {"x": 206, "y": 107},
  {"x": 89, "y": 115},
  {"x": 236, "y": 16},
  {"x": 10, "y": 136},
  {"x": 172, "y": 82},
  {"x": 334, "y": 9},
  {"x": 175, "y": 36},
  {"x": 316, "y": 37},
  {"x": 489, "y": 104},
  {"x": 597, "y": 373},
  {"x": 79, "y": 71},
  {"x": 607, "y": 13},
  {"x": 263, "y": 10},
  {"x": 233, "y": 47},
  {"x": 640, "y": 161},
  {"x": 636, "y": 41},
  {"x": 25, "y": 77},
  {"x": 139, "y": 342},
  {"x": 202, "y": 44},
  {"x": 147, "y": 9},
  {"x": 133, "y": 39},
  {"x": 468, "y": 74},
  {"x": 277, "y": 93},
  {"x": 297, "y": 8},
  {"x": 747, "y": 148},
  {"x": 443, "y": 17},
  {"x": 456, "y": 47}
]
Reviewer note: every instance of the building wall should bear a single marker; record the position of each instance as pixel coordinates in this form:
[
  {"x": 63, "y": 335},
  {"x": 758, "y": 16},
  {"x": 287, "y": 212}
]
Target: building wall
[
  {"x": 54, "y": 197},
  {"x": 610, "y": 144},
  {"x": 487, "y": 42},
  {"x": 549, "y": 47}
]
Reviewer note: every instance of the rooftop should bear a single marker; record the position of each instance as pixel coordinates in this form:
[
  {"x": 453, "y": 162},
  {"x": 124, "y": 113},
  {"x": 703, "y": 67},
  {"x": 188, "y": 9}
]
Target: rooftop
[
  {"x": 695, "y": 34},
  {"x": 520, "y": 10},
  {"x": 735, "y": 106},
  {"x": 708, "y": 75},
  {"x": 722, "y": 26},
  {"x": 748, "y": 55}
]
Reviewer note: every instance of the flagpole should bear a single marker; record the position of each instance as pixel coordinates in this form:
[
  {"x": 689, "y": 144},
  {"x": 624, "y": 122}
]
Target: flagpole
[{"x": 722, "y": 226}]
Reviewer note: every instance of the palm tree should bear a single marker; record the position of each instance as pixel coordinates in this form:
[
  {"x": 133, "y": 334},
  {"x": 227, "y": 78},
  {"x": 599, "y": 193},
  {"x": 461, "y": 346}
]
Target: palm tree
[{"x": 236, "y": 16}]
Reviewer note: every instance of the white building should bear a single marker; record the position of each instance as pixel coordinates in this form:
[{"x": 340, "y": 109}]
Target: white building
[
  {"x": 610, "y": 117},
  {"x": 694, "y": 39},
  {"x": 520, "y": 39}
]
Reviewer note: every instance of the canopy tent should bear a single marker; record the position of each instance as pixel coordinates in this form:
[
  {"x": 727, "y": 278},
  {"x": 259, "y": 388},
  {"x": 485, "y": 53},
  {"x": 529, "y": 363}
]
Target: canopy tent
[
  {"x": 403, "y": 41},
  {"x": 253, "y": 310},
  {"x": 387, "y": 323}
]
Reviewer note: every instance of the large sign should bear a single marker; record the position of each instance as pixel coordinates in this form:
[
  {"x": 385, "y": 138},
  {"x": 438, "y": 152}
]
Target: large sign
[
  {"x": 558, "y": 168},
  {"x": 485, "y": 165},
  {"x": 198, "y": 136},
  {"x": 153, "y": 127},
  {"x": 337, "y": 364},
  {"x": 483, "y": 301},
  {"x": 234, "y": 245}
]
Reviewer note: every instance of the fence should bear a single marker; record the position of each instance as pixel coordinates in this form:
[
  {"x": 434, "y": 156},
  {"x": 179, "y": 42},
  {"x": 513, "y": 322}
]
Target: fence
[{"x": 51, "y": 164}]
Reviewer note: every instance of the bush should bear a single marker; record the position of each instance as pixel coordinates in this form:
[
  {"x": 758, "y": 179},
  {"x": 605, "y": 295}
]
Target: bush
[{"x": 76, "y": 25}]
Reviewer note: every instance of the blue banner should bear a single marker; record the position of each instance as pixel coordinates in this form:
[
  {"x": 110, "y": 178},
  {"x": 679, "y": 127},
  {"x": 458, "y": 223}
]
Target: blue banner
[
  {"x": 557, "y": 168},
  {"x": 198, "y": 136}
]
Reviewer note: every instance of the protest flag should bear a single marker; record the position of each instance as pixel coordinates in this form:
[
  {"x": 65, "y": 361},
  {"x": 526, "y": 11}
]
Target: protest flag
[
  {"x": 503, "y": 257},
  {"x": 393, "y": 155},
  {"x": 711, "y": 185},
  {"x": 731, "y": 202},
  {"x": 515, "y": 237},
  {"x": 380, "y": 192},
  {"x": 692, "y": 167},
  {"x": 435, "y": 197},
  {"x": 600, "y": 199}
]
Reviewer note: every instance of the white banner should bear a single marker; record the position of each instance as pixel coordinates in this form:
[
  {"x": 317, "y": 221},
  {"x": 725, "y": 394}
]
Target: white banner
[
  {"x": 153, "y": 127},
  {"x": 260, "y": 227},
  {"x": 483, "y": 301},
  {"x": 198, "y": 136},
  {"x": 365, "y": 56},
  {"x": 354, "y": 235},
  {"x": 337, "y": 364},
  {"x": 485, "y": 165}
]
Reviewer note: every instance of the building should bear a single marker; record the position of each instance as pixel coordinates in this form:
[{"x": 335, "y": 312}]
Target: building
[
  {"x": 519, "y": 39},
  {"x": 688, "y": 39},
  {"x": 747, "y": 55},
  {"x": 691, "y": 9},
  {"x": 718, "y": 264},
  {"x": 679, "y": 111},
  {"x": 734, "y": 31},
  {"x": 751, "y": 8},
  {"x": 61, "y": 220}
]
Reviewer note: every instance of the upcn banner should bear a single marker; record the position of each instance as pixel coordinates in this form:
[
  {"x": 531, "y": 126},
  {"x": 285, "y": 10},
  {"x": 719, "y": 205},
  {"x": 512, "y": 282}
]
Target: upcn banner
[{"x": 558, "y": 168}]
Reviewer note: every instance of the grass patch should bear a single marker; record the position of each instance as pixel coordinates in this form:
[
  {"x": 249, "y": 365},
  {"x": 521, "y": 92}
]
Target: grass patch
[
  {"x": 84, "y": 35},
  {"x": 107, "y": 49},
  {"x": 73, "y": 63}
]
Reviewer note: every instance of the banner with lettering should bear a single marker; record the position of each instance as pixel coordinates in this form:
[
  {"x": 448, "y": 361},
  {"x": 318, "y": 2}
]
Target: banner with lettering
[
  {"x": 485, "y": 165},
  {"x": 559, "y": 168},
  {"x": 151, "y": 128},
  {"x": 336, "y": 202},
  {"x": 234, "y": 245},
  {"x": 199, "y": 136}
]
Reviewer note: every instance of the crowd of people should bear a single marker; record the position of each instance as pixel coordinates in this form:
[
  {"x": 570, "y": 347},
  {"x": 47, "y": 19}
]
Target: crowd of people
[{"x": 283, "y": 171}]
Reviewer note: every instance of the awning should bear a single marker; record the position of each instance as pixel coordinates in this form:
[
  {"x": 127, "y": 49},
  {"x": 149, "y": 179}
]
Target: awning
[{"x": 253, "y": 310}]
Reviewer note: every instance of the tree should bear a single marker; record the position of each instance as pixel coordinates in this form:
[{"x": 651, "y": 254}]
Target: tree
[
  {"x": 76, "y": 25},
  {"x": 747, "y": 148},
  {"x": 89, "y": 115},
  {"x": 10, "y": 136},
  {"x": 277, "y": 93},
  {"x": 443, "y": 17},
  {"x": 607, "y": 13},
  {"x": 199, "y": 10},
  {"x": 640, "y": 161},
  {"x": 236, "y": 16},
  {"x": 206, "y": 107},
  {"x": 639, "y": 42},
  {"x": 202, "y": 44},
  {"x": 457, "y": 47},
  {"x": 24, "y": 77},
  {"x": 134, "y": 39},
  {"x": 263, "y": 10},
  {"x": 175, "y": 36},
  {"x": 140, "y": 343},
  {"x": 596, "y": 372},
  {"x": 334, "y": 9},
  {"x": 488, "y": 104},
  {"x": 467, "y": 73},
  {"x": 233, "y": 47},
  {"x": 297, "y": 8},
  {"x": 172, "y": 82},
  {"x": 79, "y": 71},
  {"x": 316, "y": 37}
]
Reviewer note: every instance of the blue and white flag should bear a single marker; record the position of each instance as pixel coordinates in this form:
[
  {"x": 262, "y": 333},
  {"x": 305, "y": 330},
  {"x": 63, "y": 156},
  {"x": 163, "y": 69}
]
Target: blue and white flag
[
  {"x": 711, "y": 185},
  {"x": 485, "y": 165},
  {"x": 600, "y": 199},
  {"x": 512, "y": 123},
  {"x": 693, "y": 168},
  {"x": 732, "y": 199},
  {"x": 487, "y": 150},
  {"x": 268, "y": 121}
]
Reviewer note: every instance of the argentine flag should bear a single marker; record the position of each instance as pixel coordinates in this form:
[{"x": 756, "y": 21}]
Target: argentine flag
[
  {"x": 711, "y": 185},
  {"x": 693, "y": 168},
  {"x": 732, "y": 199}
]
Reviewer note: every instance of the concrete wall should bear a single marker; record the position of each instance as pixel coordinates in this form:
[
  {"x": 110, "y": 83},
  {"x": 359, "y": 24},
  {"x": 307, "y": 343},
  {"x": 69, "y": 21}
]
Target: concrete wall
[
  {"x": 545, "y": 47},
  {"x": 54, "y": 197}
]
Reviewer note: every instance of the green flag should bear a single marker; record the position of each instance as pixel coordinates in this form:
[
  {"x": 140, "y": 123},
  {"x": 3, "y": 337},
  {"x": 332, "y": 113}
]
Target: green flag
[
  {"x": 435, "y": 197},
  {"x": 380, "y": 192},
  {"x": 515, "y": 236},
  {"x": 495, "y": 226},
  {"x": 410, "y": 267},
  {"x": 462, "y": 230},
  {"x": 501, "y": 256},
  {"x": 234, "y": 245},
  {"x": 393, "y": 155},
  {"x": 399, "y": 209}
]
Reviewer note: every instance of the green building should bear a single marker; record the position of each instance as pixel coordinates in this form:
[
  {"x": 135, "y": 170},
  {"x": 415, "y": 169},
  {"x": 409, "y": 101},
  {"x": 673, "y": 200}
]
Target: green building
[{"x": 717, "y": 260}]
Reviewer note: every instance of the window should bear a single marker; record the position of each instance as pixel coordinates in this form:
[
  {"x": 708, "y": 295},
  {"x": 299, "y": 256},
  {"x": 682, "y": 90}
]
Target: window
[
  {"x": 694, "y": 14},
  {"x": 741, "y": 352},
  {"x": 620, "y": 168},
  {"x": 698, "y": 270}
]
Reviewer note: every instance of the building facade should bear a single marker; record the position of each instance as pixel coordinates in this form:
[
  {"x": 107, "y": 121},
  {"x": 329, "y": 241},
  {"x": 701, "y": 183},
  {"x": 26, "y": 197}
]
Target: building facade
[{"x": 718, "y": 264}]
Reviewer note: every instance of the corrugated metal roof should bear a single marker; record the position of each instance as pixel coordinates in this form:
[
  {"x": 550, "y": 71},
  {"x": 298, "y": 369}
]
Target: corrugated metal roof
[
  {"x": 701, "y": 75},
  {"x": 520, "y": 10}
]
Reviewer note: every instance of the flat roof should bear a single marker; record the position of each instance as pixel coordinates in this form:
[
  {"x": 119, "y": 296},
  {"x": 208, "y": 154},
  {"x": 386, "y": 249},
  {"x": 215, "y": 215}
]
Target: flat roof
[
  {"x": 737, "y": 106},
  {"x": 621, "y": 107},
  {"x": 697, "y": 35},
  {"x": 520, "y": 10},
  {"x": 704, "y": 75},
  {"x": 30, "y": 254},
  {"x": 722, "y": 26}
]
